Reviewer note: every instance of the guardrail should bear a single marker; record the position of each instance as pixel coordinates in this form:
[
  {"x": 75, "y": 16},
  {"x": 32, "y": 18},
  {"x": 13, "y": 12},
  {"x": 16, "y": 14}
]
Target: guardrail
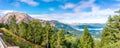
[{"x": 3, "y": 45}]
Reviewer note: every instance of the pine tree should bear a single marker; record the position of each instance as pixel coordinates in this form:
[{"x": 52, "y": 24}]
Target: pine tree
[
  {"x": 86, "y": 40},
  {"x": 111, "y": 33},
  {"x": 53, "y": 41},
  {"x": 30, "y": 33},
  {"x": 23, "y": 30},
  {"x": 39, "y": 32},
  {"x": 60, "y": 39},
  {"x": 35, "y": 31},
  {"x": 13, "y": 25},
  {"x": 49, "y": 33}
]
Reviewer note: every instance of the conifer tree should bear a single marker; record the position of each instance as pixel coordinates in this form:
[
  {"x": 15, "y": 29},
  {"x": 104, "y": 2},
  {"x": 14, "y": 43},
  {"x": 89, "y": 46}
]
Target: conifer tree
[
  {"x": 86, "y": 40},
  {"x": 29, "y": 30},
  {"x": 22, "y": 30},
  {"x": 13, "y": 25},
  {"x": 111, "y": 33},
  {"x": 49, "y": 31},
  {"x": 60, "y": 39}
]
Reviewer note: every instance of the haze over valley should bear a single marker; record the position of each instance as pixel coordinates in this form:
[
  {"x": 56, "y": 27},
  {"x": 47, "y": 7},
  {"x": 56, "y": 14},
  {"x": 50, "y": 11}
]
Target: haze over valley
[{"x": 59, "y": 23}]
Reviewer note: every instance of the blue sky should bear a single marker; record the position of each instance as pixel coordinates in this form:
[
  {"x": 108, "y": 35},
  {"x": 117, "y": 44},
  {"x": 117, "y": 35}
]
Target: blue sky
[{"x": 66, "y": 11}]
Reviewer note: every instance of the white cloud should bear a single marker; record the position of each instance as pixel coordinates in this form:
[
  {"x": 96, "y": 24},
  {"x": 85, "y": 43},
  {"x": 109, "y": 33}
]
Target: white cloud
[
  {"x": 68, "y": 5},
  {"x": 16, "y": 4},
  {"x": 47, "y": 0},
  {"x": 30, "y": 2},
  {"x": 2, "y": 12},
  {"x": 53, "y": 0},
  {"x": 79, "y": 6},
  {"x": 84, "y": 4},
  {"x": 51, "y": 9},
  {"x": 117, "y": 5},
  {"x": 117, "y": 0},
  {"x": 95, "y": 16}
]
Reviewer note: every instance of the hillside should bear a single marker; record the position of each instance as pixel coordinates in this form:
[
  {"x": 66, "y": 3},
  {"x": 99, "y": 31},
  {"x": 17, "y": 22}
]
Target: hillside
[
  {"x": 26, "y": 18},
  {"x": 18, "y": 41},
  {"x": 66, "y": 27},
  {"x": 35, "y": 32}
]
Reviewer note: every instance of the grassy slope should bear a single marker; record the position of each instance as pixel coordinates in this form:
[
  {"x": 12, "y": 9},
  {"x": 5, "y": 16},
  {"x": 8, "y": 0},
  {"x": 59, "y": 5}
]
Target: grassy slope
[{"x": 15, "y": 40}]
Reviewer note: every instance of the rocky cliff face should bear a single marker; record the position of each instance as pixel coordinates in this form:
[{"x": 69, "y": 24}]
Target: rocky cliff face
[{"x": 19, "y": 17}]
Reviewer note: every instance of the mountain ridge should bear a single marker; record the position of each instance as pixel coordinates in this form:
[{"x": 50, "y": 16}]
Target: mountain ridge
[
  {"x": 22, "y": 16},
  {"x": 19, "y": 17}
]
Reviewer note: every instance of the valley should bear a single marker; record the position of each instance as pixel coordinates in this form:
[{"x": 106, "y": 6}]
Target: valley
[{"x": 59, "y": 23}]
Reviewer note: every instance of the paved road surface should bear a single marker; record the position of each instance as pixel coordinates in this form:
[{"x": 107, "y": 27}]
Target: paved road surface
[{"x": 2, "y": 44}]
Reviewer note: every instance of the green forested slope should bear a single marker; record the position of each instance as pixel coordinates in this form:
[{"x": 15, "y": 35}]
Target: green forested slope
[
  {"x": 34, "y": 34},
  {"x": 16, "y": 40}
]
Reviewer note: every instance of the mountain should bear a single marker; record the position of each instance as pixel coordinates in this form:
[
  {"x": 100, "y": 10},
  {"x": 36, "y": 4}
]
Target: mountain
[
  {"x": 22, "y": 16},
  {"x": 19, "y": 17},
  {"x": 66, "y": 27},
  {"x": 94, "y": 28}
]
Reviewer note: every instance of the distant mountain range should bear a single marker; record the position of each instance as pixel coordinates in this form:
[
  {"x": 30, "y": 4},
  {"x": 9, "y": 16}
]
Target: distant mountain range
[
  {"x": 66, "y": 27},
  {"x": 94, "y": 28},
  {"x": 22, "y": 16},
  {"x": 77, "y": 28}
]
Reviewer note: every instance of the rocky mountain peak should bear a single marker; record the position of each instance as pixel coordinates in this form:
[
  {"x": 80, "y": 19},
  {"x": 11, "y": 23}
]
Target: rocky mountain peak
[{"x": 19, "y": 17}]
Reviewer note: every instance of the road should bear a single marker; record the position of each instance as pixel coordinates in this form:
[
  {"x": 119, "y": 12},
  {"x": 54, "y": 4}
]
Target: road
[{"x": 2, "y": 44}]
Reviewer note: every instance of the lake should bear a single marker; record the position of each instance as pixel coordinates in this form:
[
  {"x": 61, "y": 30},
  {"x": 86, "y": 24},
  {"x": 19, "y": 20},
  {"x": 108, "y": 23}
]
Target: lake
[{"x": 94, "y": 29}]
